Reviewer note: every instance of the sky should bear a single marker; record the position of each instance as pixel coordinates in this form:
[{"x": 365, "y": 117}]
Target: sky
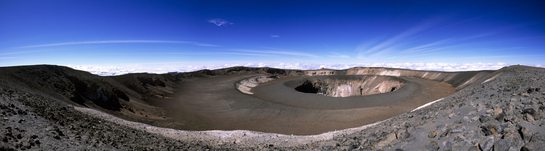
[{"x": 184, "y": 35}]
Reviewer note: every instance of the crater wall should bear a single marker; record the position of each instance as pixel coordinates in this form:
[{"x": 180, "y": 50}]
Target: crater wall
[
  {"x": 457, "y": 79},
  {"x": 345, "y": 86}
]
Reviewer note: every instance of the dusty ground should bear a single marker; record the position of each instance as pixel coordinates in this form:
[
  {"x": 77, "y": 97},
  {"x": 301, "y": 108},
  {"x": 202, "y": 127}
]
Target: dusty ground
[
  {"x": 213, "y": 104},
  {"x": 503, "y": 111}
]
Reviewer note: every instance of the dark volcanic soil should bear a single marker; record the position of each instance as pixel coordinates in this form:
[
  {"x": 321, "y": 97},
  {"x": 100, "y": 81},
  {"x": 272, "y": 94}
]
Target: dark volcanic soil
[
  {"x": 212, "y": 103},
  {"x": 501, "y": 110}
]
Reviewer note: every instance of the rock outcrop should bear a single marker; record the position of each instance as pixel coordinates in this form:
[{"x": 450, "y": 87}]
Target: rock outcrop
[
  {"x": 245, "y": 86},
  {"x": 457, "y": 79}
]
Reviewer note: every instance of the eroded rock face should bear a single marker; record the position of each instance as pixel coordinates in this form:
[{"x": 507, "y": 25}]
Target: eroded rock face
[
  {"x": 245, "y": 86},
  {"x": 345, "y": 86},
  {"x": 458, "y": 79}
]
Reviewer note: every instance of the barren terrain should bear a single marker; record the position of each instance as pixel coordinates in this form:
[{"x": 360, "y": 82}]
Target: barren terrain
[{"x": 56, "y": 108}]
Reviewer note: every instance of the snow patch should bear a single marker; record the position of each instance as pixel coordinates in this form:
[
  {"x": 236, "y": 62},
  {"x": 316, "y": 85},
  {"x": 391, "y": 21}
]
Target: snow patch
[
  {"x": 394, "y": 73},
  {"x": 427, "y": 104},
  {"x": 490, "y": 79}
]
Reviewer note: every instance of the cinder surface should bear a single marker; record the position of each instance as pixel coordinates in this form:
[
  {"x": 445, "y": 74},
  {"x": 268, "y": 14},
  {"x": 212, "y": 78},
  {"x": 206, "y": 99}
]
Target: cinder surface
[
  {"x": 213, "y": 104},
  {"x": 57, "y": 108}
]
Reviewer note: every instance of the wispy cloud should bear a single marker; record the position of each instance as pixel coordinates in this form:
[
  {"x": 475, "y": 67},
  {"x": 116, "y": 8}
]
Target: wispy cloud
[
  {"x": 409, "y": 44},
  {"x": 72, "y": 43},
  {"x": 389, "y": 43},
  {"x": 220, "y": 22},
  {"x": 218, "y": 53},
  {"x": 338, "y": 55},
  {"x": 278, "y": 52},
  {"x": 245, "y": 54},
  {"x": 275, "y": 36},
  {"x": 443, "y": 45},
  {"x": 426, "y": 46}
]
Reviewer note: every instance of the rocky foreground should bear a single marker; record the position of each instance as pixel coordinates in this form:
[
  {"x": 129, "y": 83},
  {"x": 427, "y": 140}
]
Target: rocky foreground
[{"x": 504, "y": 113}]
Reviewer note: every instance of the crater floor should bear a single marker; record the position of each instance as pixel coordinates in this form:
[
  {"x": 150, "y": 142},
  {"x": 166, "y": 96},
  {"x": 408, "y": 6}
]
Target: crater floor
[{"x": 214, "y": 104}]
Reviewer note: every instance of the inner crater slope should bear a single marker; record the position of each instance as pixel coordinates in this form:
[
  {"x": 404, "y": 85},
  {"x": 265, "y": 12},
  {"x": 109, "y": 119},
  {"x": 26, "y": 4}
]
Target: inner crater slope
[{"x": 345, "y": 86}]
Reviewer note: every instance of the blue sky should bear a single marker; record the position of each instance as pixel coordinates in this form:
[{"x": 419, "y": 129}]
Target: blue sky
[{"x": 105, "y": 32}]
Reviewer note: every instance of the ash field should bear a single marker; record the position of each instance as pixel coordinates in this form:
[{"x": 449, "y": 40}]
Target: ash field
[{"x": 46, "y": 107}]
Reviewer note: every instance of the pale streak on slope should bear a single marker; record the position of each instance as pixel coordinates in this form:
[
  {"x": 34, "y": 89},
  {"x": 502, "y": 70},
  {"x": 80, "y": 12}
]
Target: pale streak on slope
[{"x": 427, "y": 104}]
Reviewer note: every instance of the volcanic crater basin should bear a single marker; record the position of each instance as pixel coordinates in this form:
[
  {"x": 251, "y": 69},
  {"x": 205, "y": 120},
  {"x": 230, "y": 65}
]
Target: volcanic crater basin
[
  {"x": 214, "y": 103},
  {"x": 255, "y": 99},
  {"x": 346, "y": 86},
  {"x": 375, "y": 106},
  {"x": 65, "y": 109}
]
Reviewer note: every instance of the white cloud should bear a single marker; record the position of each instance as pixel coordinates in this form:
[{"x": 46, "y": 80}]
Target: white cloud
[
  {"x": 119, "y": 42},
  {"x": 219, "y": 22},
  {"x": 181, "y": 67}
]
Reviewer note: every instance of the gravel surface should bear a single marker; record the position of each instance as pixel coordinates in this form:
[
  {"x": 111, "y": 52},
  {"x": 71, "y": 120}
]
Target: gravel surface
[{"x": 504, "y": 112}]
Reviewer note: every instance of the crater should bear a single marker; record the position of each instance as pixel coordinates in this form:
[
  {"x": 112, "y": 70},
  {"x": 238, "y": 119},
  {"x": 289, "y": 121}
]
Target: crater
[
  {"x": 255, "y": 99},
  {"x": 346, "y": 86}
]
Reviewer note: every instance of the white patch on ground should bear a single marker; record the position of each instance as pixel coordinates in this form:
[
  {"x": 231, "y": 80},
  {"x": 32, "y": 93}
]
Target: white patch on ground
[
  {"x": 394, "y": 73},
  {"x": 425, "y": 74},
  {"x": 435, "y": 75},
  {"x": 427, "y": 104},
  {"x": 246, "y": 85},
  {"x": 468, "y": 81},
  {"x": 491, "y": 78}
]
